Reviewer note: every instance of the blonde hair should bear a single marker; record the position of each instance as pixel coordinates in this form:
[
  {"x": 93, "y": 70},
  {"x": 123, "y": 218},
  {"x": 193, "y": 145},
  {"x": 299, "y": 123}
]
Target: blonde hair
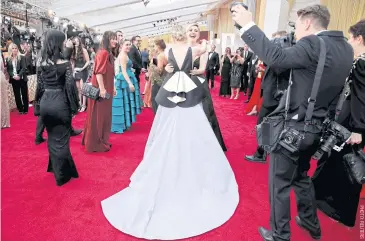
[
  {"x": 192, "y": 25},
  {"x": 178, "y": 33},
  {"x": 10, "y": 51}
]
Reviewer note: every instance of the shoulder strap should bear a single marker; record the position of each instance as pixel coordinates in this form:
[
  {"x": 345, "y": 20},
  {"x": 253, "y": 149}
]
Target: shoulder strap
[
  {"x": 346, "y": 91},
  {"x": 316, "y": 83}
]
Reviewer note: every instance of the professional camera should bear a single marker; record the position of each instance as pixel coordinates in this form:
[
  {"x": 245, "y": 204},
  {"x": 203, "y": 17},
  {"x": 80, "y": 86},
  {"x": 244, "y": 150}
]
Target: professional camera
[
  {"x": 290, "y": 139},
  {"x": 333, "y": 134}
]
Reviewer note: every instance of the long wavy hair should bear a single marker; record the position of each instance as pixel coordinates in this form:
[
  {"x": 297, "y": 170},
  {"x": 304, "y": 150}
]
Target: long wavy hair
[
  {"x": 105, "y": 41},
  {"x": 77, "y": 51},
  {"x": 52, "y": 46}
]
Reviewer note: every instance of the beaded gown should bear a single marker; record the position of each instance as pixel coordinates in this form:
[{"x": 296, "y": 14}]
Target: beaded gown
[{"x": 184, "y": 185}]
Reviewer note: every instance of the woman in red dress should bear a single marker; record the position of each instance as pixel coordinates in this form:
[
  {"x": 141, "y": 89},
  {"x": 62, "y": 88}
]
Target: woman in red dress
[
  {"x": 99, "y": 113},
  {"x": 253, "y": 107}
]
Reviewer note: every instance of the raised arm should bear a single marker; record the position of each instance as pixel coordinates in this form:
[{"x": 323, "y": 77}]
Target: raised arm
[
  {"x": 200, "y": 49},
  {"x": 300, "y": 55},
  {"x": 71, "y": 90}
]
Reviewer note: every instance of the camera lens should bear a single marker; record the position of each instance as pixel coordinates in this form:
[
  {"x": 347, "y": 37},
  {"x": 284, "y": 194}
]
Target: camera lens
[{"x": 288, "y": 139}]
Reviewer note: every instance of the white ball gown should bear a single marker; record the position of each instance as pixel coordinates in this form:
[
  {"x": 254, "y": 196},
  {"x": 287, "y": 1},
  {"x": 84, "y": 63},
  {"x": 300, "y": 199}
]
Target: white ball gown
[{"x": 184, "y": 185}]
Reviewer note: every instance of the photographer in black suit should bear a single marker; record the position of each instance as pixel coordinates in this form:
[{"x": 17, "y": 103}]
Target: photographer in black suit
[
  {"x": 247, "y": 55},
  {"x": 212, "y": 65},
  {"x": 252, "y": 75},
  {"x": 273, "y": 84},
  {"x": 67, "y": 52},
  {"x": 290, "y": 169},
  {"x": 135, "y": 56}
]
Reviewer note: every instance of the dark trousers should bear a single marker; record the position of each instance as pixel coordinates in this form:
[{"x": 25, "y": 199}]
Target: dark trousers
[
  {"x": 137, "y": 73},
  {"x": 250, "y": 87},
  {"x": 287, "y": 171},
  {"x": 264, "y": 111},
  {"x": 20, "y": 89},
  {"x": 154, "y": 91},
  {"x": 210, "y": 76},
  {"x": 244, "y": 82},
  {"x": 41, "y": 127}
]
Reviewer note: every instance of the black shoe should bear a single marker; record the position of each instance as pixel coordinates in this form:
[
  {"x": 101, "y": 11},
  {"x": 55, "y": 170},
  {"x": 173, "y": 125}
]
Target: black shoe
[
  {"x": 256, "y": 158},
  {"x": 266, "y": 234},
  {"x": 39, "y": 140},
  {"x": 315, "y": 234},
  {"x": 76, "y": 132}
]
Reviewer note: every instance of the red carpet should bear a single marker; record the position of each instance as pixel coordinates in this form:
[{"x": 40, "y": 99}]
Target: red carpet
[{"x": 35, "y": 209}]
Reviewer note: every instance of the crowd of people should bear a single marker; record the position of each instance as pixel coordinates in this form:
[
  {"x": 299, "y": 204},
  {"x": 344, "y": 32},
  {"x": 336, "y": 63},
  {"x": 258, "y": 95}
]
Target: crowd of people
[{"x": 169, "y": 181}]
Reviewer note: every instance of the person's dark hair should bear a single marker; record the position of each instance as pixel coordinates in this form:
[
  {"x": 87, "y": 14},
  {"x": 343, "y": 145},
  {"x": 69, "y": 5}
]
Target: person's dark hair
[
  {"x": 52, "y": 46},
  {"x": 318, "y": 13},
  {"x": 280, "y": 33},
  {"x": 161, "y": 44},
  {"x": 134, "y": 38},
  {"x": 105, "y": 41},
  {"x": 78, "y": 51},
  {"x": 358, "y": 29},
  {"x": 118, "y": 31}
]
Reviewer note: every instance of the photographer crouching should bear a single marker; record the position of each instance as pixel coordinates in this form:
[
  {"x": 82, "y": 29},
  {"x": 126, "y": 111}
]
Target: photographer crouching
[{"x": 319, "y": 62}]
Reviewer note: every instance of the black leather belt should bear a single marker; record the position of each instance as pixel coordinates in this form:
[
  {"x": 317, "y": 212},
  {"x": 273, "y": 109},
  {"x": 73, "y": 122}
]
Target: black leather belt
[{"x": 53, "y": 90}]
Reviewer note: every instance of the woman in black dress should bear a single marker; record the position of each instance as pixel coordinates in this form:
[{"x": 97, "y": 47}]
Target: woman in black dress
[
  {"x": 336, "y": 195},
  {"x": 193, "y": 33},
  {"x": 225, "y": 71},
  {"x": 58, "y": 99}
]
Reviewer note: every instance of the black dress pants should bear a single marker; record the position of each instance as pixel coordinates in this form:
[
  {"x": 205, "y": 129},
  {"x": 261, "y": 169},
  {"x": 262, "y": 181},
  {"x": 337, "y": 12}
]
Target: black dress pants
[
  {"x": 210, "y": 76},
  {"x": 20, "y": 89},
  {"x": 137, "y": 73},
  {"x": 288, "y": 171}
]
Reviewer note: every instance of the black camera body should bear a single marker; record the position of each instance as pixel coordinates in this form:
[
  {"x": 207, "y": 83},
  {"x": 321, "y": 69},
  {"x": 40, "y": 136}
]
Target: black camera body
[
  {"x": 333, "y": 134},
  {"x": 291, "y": 139}
]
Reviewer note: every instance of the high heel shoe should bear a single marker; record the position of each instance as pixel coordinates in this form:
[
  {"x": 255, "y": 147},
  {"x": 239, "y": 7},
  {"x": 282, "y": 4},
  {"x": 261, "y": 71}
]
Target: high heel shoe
[
  {"x": 252, "y": 113},
  {"x": 237, "y": 96}
]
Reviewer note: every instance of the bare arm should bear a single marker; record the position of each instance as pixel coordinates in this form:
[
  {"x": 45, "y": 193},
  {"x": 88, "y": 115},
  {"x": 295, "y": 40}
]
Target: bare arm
[
  {"x": 200, "y": 49},
  {"x": 161, "y": 62},
  {"x": 86, "y": 58},
  {"x": 123, "y": 63}
]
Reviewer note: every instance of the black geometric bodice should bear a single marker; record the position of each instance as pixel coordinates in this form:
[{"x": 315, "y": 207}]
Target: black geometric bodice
[{"x": 180, "y": 88}]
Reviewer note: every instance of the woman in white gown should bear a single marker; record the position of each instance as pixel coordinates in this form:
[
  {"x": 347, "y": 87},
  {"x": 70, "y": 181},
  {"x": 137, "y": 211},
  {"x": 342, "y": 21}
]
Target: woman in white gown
[{"x": 184, "y": 185}]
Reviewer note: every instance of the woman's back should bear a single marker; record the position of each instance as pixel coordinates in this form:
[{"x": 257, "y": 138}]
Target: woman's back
[{"x": 54, "y": 75}]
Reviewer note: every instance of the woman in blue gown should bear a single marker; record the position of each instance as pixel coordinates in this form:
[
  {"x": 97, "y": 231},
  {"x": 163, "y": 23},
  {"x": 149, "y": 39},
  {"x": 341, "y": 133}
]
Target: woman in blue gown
[{"x": 127, "y": 103}]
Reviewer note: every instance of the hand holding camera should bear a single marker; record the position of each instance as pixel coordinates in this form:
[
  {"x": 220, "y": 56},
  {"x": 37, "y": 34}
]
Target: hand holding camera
[{"x": 240, "y": 14}]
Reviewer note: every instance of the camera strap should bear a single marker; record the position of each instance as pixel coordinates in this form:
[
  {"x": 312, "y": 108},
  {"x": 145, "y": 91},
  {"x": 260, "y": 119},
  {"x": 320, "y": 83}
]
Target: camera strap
[
  {"x": 316, "y": 84},
  {"x": 346, "y": 91}
]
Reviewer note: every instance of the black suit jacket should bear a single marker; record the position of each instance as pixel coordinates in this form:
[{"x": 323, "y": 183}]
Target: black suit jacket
[
  {"x": 247, "y": 60},
  {"x": 136, "y": 58},
  {"x": 213, "y": 62},
  {"x": 303, "y": 59},
  {"x": 274, "y": 80},
  {"x": 21, "y": 69},
  {"x": 251, "y": 67}
]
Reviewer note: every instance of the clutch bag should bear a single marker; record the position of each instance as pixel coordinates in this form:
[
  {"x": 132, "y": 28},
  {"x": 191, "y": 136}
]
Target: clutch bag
[{"x": 90, "y": 91}]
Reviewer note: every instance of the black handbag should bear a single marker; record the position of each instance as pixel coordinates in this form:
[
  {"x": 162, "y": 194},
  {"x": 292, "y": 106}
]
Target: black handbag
[
  {"x": 78, "y": 75},
  {"x": 272, "y": 130},
  {"x": 90, "y": 91},
  {"x": 355, "y": 166}
]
